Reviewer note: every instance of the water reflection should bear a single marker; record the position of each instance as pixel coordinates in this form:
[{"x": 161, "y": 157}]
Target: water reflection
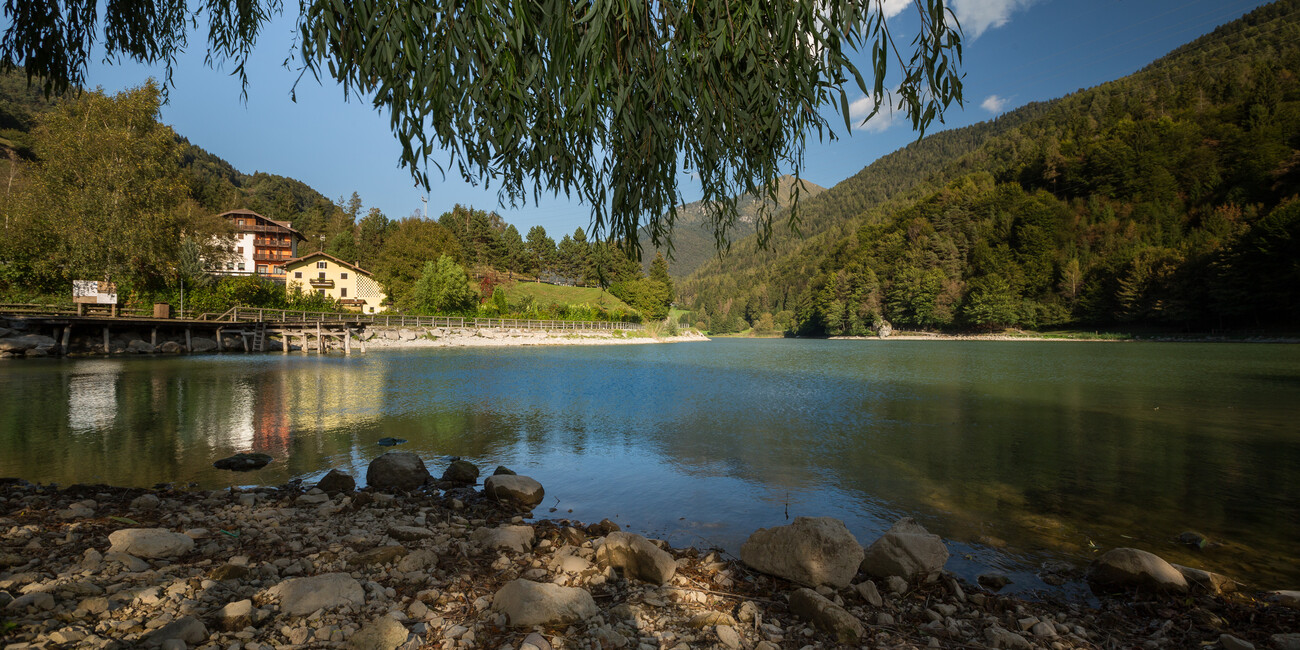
[{"x": 1036, "y": 449}]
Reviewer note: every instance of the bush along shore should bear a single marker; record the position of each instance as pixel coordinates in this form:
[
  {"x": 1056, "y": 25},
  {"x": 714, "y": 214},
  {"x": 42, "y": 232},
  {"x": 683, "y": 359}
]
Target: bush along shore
[{"x": 414, "y": 561}]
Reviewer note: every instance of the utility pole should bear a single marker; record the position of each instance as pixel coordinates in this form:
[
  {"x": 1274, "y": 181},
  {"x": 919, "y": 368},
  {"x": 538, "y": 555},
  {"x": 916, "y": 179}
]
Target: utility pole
[{"x": 425, "y": 199}]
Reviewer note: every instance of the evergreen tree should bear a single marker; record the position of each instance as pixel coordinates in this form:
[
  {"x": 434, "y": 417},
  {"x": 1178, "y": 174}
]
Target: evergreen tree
[{"x": 541, "y": 251}]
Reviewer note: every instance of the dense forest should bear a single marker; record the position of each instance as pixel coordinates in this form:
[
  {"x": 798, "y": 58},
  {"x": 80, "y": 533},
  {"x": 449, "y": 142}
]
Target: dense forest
[{"x": 1167, "y": 199}]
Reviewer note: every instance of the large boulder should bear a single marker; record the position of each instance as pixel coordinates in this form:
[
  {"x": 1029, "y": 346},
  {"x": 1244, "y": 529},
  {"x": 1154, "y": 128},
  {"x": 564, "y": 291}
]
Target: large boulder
[
  {"x": 141, "y": 347},
  {"x": 26, "y": 342},
  {"x": 171, "y": 347},
  {"x": 245, "y": 462},
  {"x": 1206, "y": 582},
  {"x": 637, "y": 558},
  {"x": 905, "y": 550},
  {"x": 461, "y": 471},
  {"x": 149, "y": 542},
  {"x": 200, "y": 344},
  {"x": 526, "y": 603},
  {"x": 510, "y": 538},
  {"x": 336, "y": 481},
  {"x": 517, "y": 489},
  {"x": 1129, "y": 568},
  {"x": 397, "y": 470},
  {"x": 302, "y": 596},
  {"x": 812, "y": 551},
  {"x": 186, "y": 628},
  {"x": 820, "y": 611}
]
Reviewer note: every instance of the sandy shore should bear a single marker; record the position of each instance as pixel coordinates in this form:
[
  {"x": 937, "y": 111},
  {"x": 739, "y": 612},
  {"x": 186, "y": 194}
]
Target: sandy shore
[
  {"x": 444, "y": 565},
  {"x": 508, "y": 338}
]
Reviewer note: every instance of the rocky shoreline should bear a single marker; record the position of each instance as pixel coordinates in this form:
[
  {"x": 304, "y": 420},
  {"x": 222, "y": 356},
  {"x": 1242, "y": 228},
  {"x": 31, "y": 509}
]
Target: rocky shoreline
[{"x": 414, "y": 561}]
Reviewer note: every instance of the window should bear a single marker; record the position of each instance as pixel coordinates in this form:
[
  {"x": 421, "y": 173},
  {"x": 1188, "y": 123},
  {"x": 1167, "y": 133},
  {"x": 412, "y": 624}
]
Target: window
[
  {"x": 230, "y": 266},
  {"x": 344, "y": 276},
  {"x": 320, "y": 291},
  {"x": 343, "y": 293},
  {"x": 297, "y": 274},
  {"x": 261, "y": 268},
  {"x": 372, "y": 310},
  {"x": 322, "y": 275},
  {"x": 241, "y": 266},
  {"x": 322, "y": 265},
  {"x": 279, "y": 270},
  {"x": 239, "y": 249}
]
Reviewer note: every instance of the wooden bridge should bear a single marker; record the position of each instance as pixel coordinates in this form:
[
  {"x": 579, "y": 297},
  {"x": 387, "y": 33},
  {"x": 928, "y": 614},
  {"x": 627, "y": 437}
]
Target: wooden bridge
[{"x": 254, "y": 326}]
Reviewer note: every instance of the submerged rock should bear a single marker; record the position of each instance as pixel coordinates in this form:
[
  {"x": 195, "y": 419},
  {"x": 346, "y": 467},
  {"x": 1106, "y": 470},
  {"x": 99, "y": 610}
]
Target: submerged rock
[
  {"x": 812, "y": 551},
  {"x": 1130, "y": 568},
  {"x": 906, "y": 550},
  {"x": 390, "y": 442},
  {"x": 397, "y": 470},
  {"x": 244, "y": 462},
  {"x": 502, "y": 469}
]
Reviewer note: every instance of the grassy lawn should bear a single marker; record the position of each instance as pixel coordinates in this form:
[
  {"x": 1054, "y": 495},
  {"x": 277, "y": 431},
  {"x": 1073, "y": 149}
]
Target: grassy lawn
[{"x": 545, "y": 294}]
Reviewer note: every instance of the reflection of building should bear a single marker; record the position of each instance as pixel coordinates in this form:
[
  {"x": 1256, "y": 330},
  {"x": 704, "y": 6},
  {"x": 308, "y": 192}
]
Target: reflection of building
[
  {"x": 330, "y": 276},
  {"x": 262, "y": 245},
  {"x": 270, "y": 420}
]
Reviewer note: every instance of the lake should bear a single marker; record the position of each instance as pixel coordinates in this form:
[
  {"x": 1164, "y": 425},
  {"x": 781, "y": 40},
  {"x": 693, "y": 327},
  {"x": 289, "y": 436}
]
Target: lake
[{"x": 1018, "y": 453}]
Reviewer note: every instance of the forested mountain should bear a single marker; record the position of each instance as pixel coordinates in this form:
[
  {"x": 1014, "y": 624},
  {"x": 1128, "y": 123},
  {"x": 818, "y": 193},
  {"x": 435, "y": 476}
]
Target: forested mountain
[
  {"x": 692, "y": 237},
  {"x": 1167, "y": 198}
]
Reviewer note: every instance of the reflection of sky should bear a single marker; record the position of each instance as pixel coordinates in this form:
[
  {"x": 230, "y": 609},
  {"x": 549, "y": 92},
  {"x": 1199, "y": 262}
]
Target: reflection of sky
[{"x": 92, "y": 396}]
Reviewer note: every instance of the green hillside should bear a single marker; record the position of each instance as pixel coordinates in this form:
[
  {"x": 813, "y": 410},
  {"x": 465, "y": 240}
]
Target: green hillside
[
  {"x": 693, "y": 241},
  {"x": 1167, "y": 198},
  {"x": 542, "y": 293}
]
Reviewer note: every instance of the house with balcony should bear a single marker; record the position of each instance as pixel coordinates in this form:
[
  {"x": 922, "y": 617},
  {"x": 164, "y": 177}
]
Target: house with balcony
[
  {"x": 330, "y": 276},
  {"x": 262, "y": 245}
]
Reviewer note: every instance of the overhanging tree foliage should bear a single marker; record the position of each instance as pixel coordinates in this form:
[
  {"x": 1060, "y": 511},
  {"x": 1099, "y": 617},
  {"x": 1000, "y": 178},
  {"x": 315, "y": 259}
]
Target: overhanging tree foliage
[{"x": 606, "y": 100}]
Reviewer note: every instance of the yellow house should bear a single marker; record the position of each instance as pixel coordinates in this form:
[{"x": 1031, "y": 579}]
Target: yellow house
[{"x": 332, "y": 277}]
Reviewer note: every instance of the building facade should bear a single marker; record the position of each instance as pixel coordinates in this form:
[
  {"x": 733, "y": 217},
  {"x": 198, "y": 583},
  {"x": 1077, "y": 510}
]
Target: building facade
[
  {"x": 262, "y": 246},
  {"x": 330, "y": 276}
]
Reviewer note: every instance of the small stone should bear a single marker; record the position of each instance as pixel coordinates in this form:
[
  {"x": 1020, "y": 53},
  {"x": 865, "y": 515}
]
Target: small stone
[
  {"x": 637, "y": 557},
  {"x": 1230, "y": 642},
  {"x": 379, "y": 555},
  {"x": 390, "y": 442},
  {"x": 235, "y": 616},
  {"x": 867, "y": 589},
  {"x": 1043, "y": 629},
  {"x": 35, "y": 599},
  {"x": 502, "y": 469},
  {"x": 1001, "y": 638},
  {"x": 711, "y": 618},
  {"x": 511, "y": 538},
  {"x": 229, "y": 572},
  {"x": 1290, "y": 641},
  {"x": 823, "y": 613},
  {"x": 245, "y": 462},
  {"x": 896, "y": 585},
  {"x": 537, "y": 641},
  {"x": 993, "y": 581},
  {"x": 727, "y": 635},
  {"x": 187, "y": 629},
  {"x": 1289, "y": 599}
]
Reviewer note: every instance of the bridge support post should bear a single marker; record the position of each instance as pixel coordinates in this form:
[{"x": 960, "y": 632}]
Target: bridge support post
[
  {"x": 285, "y": 342},
  {"x": 347, "y": 341},
  {"x": 362, "y": 341},
  {"x": 67, "y": 335},
  {"x": 153, "y": 337},
  {"x": 189, "y": 343},
  {"x": 320, "y": 340},
  {"x": 106, "y": 348}
]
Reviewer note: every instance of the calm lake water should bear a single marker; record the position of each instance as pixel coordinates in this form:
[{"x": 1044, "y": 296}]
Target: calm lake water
[{"x": 1016, "y": 452}]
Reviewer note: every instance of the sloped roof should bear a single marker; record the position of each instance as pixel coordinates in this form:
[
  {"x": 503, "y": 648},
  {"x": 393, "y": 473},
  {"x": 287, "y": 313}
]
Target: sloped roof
[
  {"x": 340, "y": 262},
  {"x": 282, "y": 224}
]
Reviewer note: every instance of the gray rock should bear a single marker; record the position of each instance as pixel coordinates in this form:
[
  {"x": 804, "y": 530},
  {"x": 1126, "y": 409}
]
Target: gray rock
[
  {"x": 906, "y": 550},
  {"x": 1230, "y": 642},
  {"x": 336, "y": 482},
  {"x": 383, "y": 633},
  {"x": 517, "y": 489},
  {"x": 35, "y": 599},
  {"x": 26, "y": 342},
  {"x": 1286, "y": 598},
  {"x": 390, "y": 442},
  {"x": 131, "y": 562},
  {"x": 729, "y": 638},
  {"x": 200, "y": 344},
  {"x": 1286, "y": 641},
  {"x": 187, "y": 628},
  {"x": 511, "y": 538},
  {"x": 502, "y": 469},
  {"x": 867, "y": 589},
  {"x": 302, "y": 596},
  {"x": 397, "y": 470},
  {"x": 820, "y": 611},
  {"x": 406, "y": 335},
  {"x": 811, "y": 551},
  {"x": 1129, "y": 568},
  {"x": 149, "y": 543},
  {"x": 526, "y": 603},
  {"x": 1001, "y": 638},
  {"x": 244, "y": 462},
  {"x": 142, "y": 347},
  {"x": 414, "y": 533},
  {"x": 171, "y": 347},
  {"x": 235, "y": 616},
  {"x": 379, "y": 555},
  {"x": 537, "y": 641},
  {"x": 461, "y": 471},
  {"x": 993, "y": 581},
  {"x": 145, "y": 503},
  {"x": 637, "y": 558},
  {"x": 1206, "y": 582}
]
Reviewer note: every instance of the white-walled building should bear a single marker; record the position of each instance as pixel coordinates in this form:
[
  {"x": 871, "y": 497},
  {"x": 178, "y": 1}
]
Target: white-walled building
[{"x": 262, "y": 246}]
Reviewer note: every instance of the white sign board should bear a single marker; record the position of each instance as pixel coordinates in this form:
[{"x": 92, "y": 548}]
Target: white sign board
[{"x": 95, "y": 292}]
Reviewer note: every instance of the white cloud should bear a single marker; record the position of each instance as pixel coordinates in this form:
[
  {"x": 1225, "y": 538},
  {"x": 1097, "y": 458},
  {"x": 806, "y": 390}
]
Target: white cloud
[
  {"x": 994, "y": 104},
  {"x": 892, "y": 8},
  {"x": 976, "y": 16},
  {"x": 859, "y": 110}
]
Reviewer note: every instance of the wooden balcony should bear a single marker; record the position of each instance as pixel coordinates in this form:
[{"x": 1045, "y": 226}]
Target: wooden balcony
[
  {"x": 321, "y": 283},
  {"x": 273, "y": 243}
]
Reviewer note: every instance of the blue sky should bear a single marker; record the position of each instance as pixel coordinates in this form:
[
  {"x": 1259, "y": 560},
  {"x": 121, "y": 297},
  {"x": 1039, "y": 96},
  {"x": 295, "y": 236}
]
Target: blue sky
[{"x": 1017, "y": 51}]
